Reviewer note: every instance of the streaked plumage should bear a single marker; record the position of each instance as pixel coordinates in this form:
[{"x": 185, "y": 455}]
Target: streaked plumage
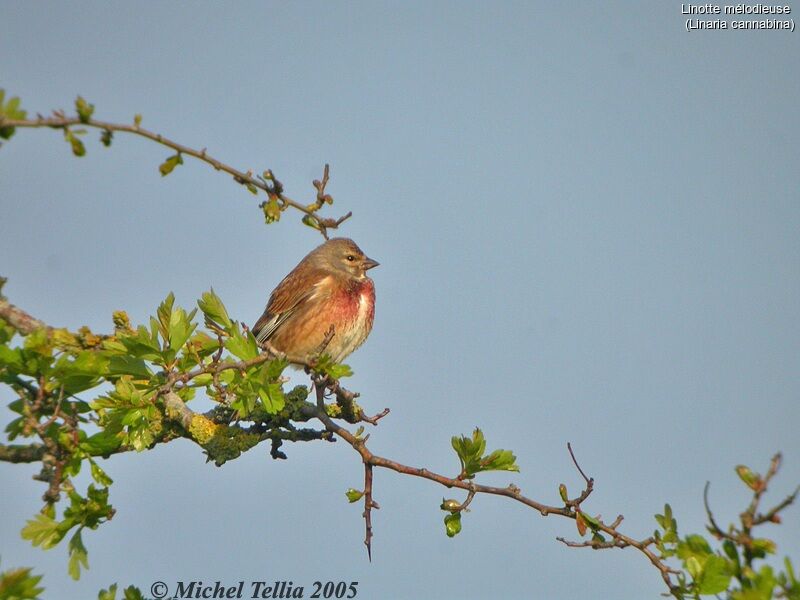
[{"x": 329, "y": 287}]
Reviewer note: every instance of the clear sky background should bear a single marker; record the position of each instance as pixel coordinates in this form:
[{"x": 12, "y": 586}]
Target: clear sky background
[{"x": 588, "y": 223}]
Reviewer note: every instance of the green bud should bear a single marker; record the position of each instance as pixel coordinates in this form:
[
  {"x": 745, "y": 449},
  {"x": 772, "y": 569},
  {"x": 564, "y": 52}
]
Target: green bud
[
  {"x": 750, "y": 479},
  {"x": 84, "y": 109},
  {"x": 452, "y": 524},
  {"x": 354, "y": 495},
  {"x": 562, "y": 491},
  {"x": 272, "y": 211},
  {"x": 450, "y": 505}
]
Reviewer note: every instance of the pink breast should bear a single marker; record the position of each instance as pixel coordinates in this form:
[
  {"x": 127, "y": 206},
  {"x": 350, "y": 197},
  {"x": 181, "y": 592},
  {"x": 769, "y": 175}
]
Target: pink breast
[{"x": 348, "y": 301}]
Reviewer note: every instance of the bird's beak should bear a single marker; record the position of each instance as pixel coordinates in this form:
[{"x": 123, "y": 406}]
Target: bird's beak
[{"x": 370, "y": 264}]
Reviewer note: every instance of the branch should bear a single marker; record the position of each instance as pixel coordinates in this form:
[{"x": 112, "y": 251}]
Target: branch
[
  {"x": 713, "y": 527},
  {"x": 771, "y": 516},
  {"x": 223, "y": 440},
  {"x": 569, "y": 511},
  {"x": 19, "y": 319},
  {"x": 268, "y": 183},
  {"x": 19, "y": 453}
]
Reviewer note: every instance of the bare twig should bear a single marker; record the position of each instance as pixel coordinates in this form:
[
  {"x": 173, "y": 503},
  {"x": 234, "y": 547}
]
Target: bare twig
[
  {"x": 588, "y": 480},
  {"x": 771, "y": 515},
  {"x": 713, "y": 528}
]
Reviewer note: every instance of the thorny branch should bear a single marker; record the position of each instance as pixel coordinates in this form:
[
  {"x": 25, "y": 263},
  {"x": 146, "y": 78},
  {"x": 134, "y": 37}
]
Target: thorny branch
[
  {"x": 177, "y": 411},
  {"x": 267, "y": 183}
]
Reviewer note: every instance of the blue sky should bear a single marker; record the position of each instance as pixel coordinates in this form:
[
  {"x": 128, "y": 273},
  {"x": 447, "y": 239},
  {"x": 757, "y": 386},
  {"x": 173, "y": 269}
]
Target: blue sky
[{"x": 587, "y": 221}]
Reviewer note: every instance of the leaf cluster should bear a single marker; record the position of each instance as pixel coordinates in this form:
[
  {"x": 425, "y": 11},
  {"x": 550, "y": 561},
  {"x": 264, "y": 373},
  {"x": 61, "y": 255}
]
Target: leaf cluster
[
  {"x": 9, "y": 110},
  {"x": 138, "y": 381},
  {"x": 735, "y": 567},
  {"x": 471, "y": 452}
]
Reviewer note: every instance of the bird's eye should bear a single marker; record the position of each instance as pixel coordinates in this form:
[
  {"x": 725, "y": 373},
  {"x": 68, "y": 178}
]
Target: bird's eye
[{"x": 350, "y": 257}]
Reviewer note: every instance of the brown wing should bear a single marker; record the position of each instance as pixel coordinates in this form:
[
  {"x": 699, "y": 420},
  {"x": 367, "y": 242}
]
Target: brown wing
[{"x": 301, "y": 285}]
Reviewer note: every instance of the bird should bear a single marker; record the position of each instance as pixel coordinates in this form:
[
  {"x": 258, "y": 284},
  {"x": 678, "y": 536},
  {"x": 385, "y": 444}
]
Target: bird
[{"x": 325, "y": 305}]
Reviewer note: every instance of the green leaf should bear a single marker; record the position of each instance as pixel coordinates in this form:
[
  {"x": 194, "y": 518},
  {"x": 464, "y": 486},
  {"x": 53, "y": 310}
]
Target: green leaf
[
  {"x": 164, "y": 313},
  {"x": 106, "y": 137},
  {"x": 598, "y": 538},
  {"x": 730, "y": 550},
  {"x": 180, "y": 328},
  {"x": 19, "y": 584},
  {"x": 11, "y": 106},
  {"x": 203, "y": 344},
  {"x": 694, "y": 545},
  {"x": 111, "y": 592},
  {"x": 169, "y": 165},
  {"x": 668, "y": 524},
  {"x": 78, "y": 149},
  {"x": 81, "y": 371},
  {"x": 694, "y": 567},
  {"x": 500, "y": 460},
  {"x": 101, "y": 443},
  {"x": 12, "y": 359},
  {"x": 354, "y": 495},
  {"x": 84, "y": 110},
  {"x": 12, "y": 111},
  {"x": 132, "y": 593},
  {"x": 326, "y": 365},
  {"x": 99, "y": 475},
  {"x": 77, "y": 556},
  {"x": 142, "y": 343},
  {"x": 214, "y": 310},
  {"x": 240, "y": 346},
  {"x": 274, "y": 369},
  {"x": 592, "y": 522},
  {"x": 128, "y": 365},
  {"x": 470, "y": 453},
  {"x": 42, "y": 531},
  {"x": 763, "y": 546},
  {"x": 272, "y": 398},
  {"x": 715, "y": 577},
  {"x": 272, "y": 211},
  {"x": 787, "y": 563},
  {"x": 251, "y": 188},
  {"x": 452, "y": 524},
  {"x": 340, "y": 371}
]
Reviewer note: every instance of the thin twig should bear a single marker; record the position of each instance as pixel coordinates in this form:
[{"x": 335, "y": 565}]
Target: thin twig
[
  {"x": 713, "y": 528},
  {"x": 271, "y": 187},
  {"x": 588, "y": 480}
]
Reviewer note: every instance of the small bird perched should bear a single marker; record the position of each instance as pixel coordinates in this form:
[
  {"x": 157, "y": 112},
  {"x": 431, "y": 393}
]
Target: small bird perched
[{"x": 325, "y": 305}]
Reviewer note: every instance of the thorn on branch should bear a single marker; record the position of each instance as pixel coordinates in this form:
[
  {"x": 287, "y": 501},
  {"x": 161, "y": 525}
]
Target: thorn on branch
[
  {"x": 369, "y": 504},
  {"x": 374, "y": 420}
]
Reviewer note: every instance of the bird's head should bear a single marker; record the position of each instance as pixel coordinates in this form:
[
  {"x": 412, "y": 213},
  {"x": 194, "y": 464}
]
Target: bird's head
[{"x": 342, "y": 255}]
